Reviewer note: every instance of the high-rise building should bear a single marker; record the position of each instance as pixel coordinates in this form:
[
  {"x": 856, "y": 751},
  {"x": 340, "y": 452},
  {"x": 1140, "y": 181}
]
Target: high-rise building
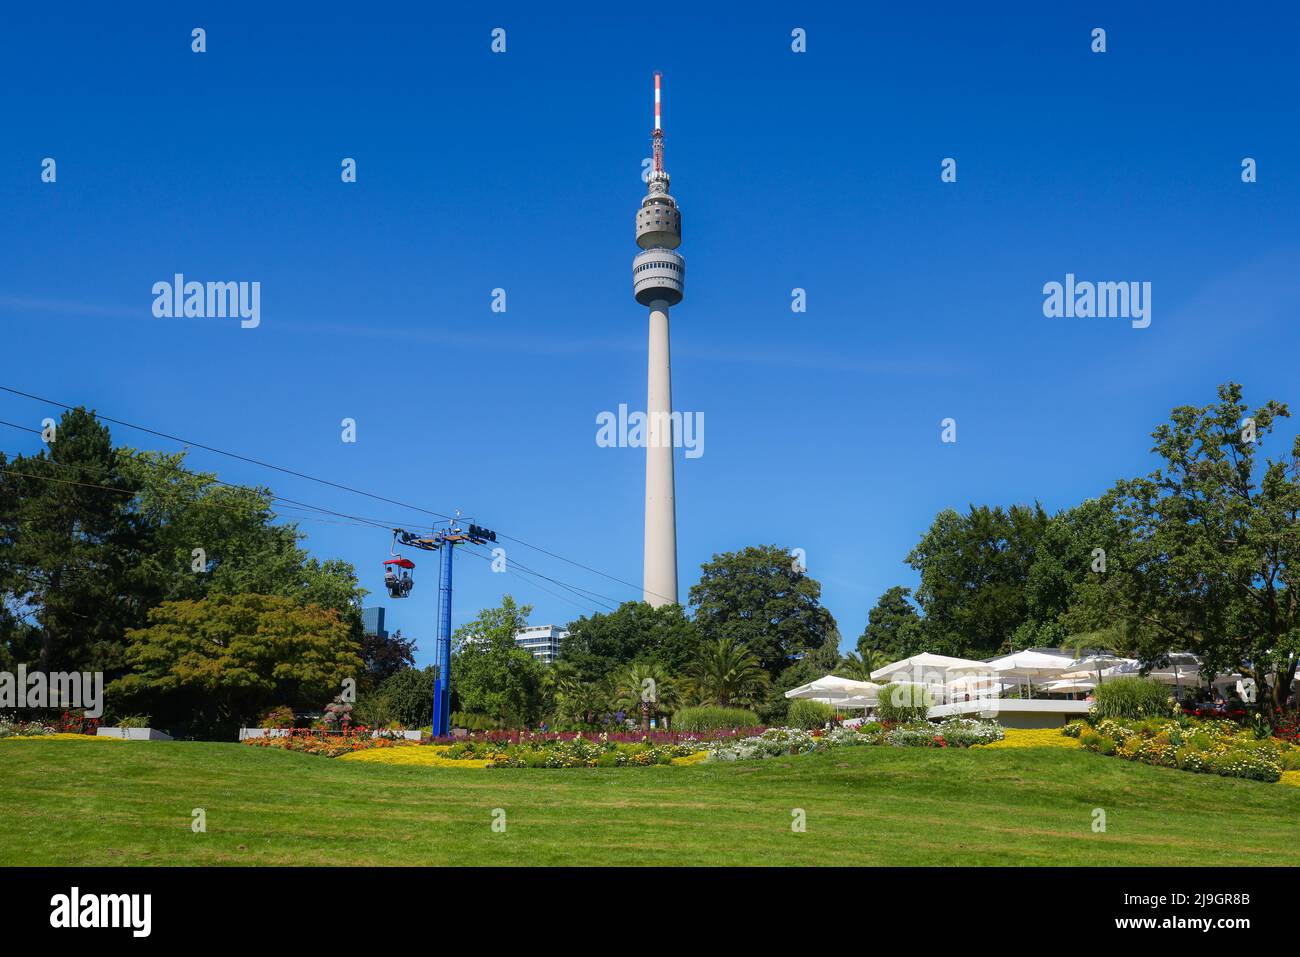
[
  {"x": 658, "y": 280},
  {"x": 541, "y": 641},
  {"x": 372, "y": 621}
]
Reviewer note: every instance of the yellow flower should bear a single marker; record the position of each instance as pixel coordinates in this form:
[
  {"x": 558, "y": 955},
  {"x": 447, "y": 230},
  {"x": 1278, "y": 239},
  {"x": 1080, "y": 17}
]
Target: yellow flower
[
  {"x": 1033, "y": 738},
  {"x": 413, "y": 755}
]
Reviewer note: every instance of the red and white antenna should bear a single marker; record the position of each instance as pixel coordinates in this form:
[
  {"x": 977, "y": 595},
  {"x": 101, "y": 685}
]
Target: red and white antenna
[{"x": 659, "y": 129}]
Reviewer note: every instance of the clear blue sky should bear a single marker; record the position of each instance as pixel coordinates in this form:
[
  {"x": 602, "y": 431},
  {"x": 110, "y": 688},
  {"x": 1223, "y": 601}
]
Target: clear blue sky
[{"x": 522, "y": 171}]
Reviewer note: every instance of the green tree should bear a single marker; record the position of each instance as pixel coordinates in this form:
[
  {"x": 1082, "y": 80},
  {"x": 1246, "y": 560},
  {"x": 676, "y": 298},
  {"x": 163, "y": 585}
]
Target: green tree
[
  {"x": 894, "y": 629},
  {"x": 647, "y": 690},
  {"x": 71, "y": 551},
  {"x": 408, "y": 694},
  {"x": 1071, "y": 548},
  {"x": 761, "y": 598},
  {"x": 726, "y": 673},
  {"x": 492, "y": 675},
  {"x": 811, "y": 665},
  {"x": 244, "y": 547},
  {"x": 573, "y": 698},
  {"x": 636, "y": 631},
  {"x": 1210, "y": 544},
  {"x": 216, "y": 661},
  {"x": 973, "y": 572}
]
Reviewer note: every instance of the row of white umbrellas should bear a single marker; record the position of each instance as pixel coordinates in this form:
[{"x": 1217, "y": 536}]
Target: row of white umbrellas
[{"x": 949, "y": 677}]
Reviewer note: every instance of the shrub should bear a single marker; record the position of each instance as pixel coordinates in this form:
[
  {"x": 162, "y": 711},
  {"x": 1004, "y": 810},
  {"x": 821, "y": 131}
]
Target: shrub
[
  {"x": 808, "y": 714},
  {"x": 952, "y": 733},
  {"x": 409, "y": 694},
  {"x": 1073, "y": 729},
  {"x": 917, "y": 734},
  {"x": 774, "y": 742},
  {"x": 712, "y": 718},
  {"x": 964, "y": 732},
  {"x": 1242, "y": 763},
  {"x": 372, "y": 710},
  {"x": 1132, "y": 698},
  {"x": 903, "y": 703},
  {"x": 281, "y": 716},
  {"x": 473, "y": 722},
  {"x": 133, "y": 721}
]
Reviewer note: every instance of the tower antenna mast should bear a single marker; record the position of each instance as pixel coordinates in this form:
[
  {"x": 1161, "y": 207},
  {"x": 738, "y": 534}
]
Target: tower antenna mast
[{"x": 657, "y": 138}]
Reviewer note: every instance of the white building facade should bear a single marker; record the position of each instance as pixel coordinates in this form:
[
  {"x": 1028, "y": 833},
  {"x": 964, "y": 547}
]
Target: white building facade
[{"x": 541, "y": 641}]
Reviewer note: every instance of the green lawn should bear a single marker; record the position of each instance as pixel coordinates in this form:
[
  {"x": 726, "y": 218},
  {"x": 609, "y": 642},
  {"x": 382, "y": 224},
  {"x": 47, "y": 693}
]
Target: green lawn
[{"x": 129, "y": 803}]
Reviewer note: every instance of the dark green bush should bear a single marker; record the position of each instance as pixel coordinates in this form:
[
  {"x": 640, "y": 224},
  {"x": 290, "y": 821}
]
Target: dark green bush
[
  {"x": 808, "y": 714},
  {"x": 713, "y": 718},
  {"x": 409, "y": 694},
  {"x": 1132, "y": 698}
]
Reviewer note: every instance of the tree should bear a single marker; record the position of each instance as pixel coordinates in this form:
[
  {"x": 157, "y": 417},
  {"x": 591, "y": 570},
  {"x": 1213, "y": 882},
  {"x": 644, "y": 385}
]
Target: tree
[
  {"x": 645, "y": 689},
  {"x": 572, "y": 697},
  {"x": 71, "y": 550},
  {"x": 492, "y": 675},
  {"x": 1209, "y": 549},
  {"x": 244, "y": 548},
  {"x": 1073, "y": 546},
  {"x": 859, "y": 668},
  {"x": 973, "y": 572},
  {"x": 727, "y": 673},
  {"x": 761, "y": 598},
  {"x": 224, "y": 659},
  {"x": 894, "y": 629},
  {"x": 386, "y": 655},
  {"x": 636, "y": 631},
  {"x": 408, "y": 694}
]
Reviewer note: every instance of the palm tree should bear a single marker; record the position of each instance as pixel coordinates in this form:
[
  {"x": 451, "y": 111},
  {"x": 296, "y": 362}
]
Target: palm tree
[
  {"x": 860, "y": 668},
  {"x": 647, "y": 688},
  {"x": 575, "y": 699},
  {"x": 728, "y": 674}
]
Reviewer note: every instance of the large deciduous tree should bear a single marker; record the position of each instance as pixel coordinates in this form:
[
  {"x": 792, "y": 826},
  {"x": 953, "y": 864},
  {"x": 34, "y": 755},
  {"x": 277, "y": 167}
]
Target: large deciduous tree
[
  {"x": 634, "y": 632},
  {"x": 973, "y": 573},
  {"x": 761, "y": 598},
  {"x": 491, "y": 675},
  {"x": 1210, "y": 548},
  {"x": 213, "y": 662}
]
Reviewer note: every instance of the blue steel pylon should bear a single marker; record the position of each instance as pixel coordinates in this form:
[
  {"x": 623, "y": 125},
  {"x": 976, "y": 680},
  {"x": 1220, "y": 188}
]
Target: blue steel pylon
[
  {"x": 442, "y": 652},
  {"x": 444, "y": 540}
]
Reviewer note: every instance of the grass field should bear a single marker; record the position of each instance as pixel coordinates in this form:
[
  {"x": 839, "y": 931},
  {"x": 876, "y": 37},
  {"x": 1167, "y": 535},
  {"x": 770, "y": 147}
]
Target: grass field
[{"x": 130, "y": 803}]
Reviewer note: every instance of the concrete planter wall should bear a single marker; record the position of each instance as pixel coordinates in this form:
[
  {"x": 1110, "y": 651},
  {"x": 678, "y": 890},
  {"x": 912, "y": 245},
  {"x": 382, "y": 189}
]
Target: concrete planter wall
[{"x": 133, "y": 734}]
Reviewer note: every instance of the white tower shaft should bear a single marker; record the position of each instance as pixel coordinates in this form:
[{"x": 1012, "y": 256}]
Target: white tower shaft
[{"x": 660, "y": 583}]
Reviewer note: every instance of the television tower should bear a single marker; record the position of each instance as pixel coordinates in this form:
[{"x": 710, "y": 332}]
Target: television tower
[{"x": 658, "y": 275}]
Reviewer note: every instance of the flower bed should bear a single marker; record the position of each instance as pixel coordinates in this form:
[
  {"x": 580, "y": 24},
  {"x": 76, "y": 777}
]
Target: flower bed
[
  {"x": 329, "y": 744},
  {"x": 603, "y": 751},
  {"x": 1213, "y": 746},
  {"x": 1033, "y": 738},
  {"x": 412, "y": 756},
  {"x": 953, "y": 733},
  {"x": 617, "y": 737},
  {"x": 11, "y": 727}
]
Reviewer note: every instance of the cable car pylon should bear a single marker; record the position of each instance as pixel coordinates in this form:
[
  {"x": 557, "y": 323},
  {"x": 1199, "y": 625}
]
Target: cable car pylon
[{"x": 443, "y": 540}]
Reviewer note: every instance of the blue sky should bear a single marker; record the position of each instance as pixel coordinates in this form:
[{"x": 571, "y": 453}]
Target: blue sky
[{"x": 522, "y": 171}]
